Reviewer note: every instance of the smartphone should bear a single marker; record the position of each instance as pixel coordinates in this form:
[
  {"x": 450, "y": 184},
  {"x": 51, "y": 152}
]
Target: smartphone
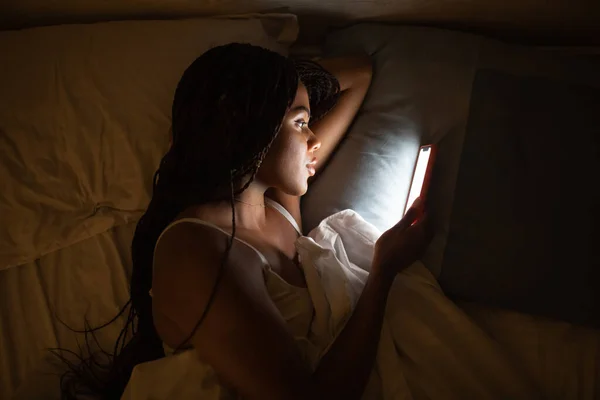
[{"x": 421, "y": 175}]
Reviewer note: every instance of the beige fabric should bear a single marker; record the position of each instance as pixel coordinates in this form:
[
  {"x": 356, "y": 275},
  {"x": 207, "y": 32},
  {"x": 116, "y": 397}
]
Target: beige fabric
[
  {"x": 84, "y": 117},
  {"x": 89, "y": 279}
]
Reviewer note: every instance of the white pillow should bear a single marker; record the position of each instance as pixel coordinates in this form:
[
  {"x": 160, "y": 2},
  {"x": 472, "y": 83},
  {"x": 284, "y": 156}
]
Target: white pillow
[
  {"x": 84, "y": 119},
  {"x": 419, "y": 94}
]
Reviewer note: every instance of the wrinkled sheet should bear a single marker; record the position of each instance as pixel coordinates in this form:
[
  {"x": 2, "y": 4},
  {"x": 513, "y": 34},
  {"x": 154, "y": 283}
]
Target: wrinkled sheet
[
  {"x": 89, "y": 279},
  {"x": 429, "y": 346}
]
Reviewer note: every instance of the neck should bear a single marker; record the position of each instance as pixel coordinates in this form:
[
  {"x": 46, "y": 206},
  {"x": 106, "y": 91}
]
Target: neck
[{"x": 250, "y": 213}]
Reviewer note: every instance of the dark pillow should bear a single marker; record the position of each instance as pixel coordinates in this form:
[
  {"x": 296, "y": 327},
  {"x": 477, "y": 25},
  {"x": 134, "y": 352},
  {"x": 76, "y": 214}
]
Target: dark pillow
[{"x": 526, "y": 215}]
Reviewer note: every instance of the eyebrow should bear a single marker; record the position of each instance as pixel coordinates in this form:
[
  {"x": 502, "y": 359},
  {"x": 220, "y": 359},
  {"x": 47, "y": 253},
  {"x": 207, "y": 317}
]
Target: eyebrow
[{"x": 298, "y": 108}]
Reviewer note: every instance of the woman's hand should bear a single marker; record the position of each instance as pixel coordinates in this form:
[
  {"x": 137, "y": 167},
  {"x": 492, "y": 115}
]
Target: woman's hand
[{"x": 402, "y": 244}]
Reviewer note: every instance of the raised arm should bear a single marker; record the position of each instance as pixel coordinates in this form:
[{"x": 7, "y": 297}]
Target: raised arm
[{"x": 354, "y": 75}]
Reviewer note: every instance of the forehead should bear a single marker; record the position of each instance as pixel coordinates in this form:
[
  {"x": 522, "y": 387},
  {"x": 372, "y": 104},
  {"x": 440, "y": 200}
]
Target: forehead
[{"x": 301, "y": 97}]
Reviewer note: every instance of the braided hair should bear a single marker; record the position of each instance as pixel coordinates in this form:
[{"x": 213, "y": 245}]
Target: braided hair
[{"x": 227, "y": 111}]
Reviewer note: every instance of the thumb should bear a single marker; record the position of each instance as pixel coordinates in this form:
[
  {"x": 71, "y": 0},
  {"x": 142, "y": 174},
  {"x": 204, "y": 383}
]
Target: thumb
[{"x": 412, "y": 215}]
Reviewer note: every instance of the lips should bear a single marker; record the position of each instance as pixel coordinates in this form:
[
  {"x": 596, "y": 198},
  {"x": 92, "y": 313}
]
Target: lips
[{"x": 311, "y": 166}]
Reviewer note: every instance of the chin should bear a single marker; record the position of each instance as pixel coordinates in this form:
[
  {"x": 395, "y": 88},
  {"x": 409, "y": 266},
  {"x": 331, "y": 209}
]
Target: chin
[
  {"x": 300, "y": 192},
  {"x": 304, "y": 188},
  {"x": 297, "y": 190}
]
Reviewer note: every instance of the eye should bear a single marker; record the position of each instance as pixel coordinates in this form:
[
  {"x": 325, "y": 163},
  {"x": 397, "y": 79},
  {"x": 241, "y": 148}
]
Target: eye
[{"x": 301, "y": 123}]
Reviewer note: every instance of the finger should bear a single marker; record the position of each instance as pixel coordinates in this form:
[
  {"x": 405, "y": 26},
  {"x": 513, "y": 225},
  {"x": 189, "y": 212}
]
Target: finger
[
  {"x": 418, "y": 226},
  {"x": 418, "y": 203},
  {"x": 412, "y": 215}
]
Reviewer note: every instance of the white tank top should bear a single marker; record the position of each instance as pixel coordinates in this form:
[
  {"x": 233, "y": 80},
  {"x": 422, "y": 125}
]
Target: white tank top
[{"x": 293, "y": 302}]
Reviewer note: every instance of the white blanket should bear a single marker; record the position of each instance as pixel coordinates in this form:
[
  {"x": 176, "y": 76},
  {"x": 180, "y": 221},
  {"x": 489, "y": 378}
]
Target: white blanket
[{"x": 429, "y": 346}]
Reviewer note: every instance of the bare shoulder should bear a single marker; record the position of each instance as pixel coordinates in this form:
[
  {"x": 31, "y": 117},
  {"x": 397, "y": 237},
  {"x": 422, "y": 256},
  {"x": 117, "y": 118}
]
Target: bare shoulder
[
  {"x": 193, "y": 243},
  {"x": 243, "y": 336},
  {"x": 187, "y": 261}
]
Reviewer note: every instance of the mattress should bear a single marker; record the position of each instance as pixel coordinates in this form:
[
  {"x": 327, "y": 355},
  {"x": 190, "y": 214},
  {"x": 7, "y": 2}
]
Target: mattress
[{"x": 523, "y": 230}]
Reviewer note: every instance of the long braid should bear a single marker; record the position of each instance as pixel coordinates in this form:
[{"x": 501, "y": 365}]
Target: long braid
[
  {"x": 259, "y": 159},
  {"x": 170, "y": 176}
]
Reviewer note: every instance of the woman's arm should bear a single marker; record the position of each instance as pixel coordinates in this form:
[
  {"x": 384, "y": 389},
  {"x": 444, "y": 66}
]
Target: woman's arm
[{"x": 354, "y": 75}]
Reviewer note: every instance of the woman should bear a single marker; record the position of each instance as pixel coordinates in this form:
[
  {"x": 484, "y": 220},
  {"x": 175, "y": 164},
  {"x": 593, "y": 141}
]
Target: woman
[{"x": 250, "y": 129}]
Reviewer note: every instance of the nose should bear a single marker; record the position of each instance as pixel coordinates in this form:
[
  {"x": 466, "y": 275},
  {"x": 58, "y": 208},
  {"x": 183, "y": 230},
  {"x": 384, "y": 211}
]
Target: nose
[{"x": 313, "y": 143}]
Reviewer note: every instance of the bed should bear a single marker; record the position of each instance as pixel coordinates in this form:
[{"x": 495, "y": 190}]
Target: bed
[{"x": 70, "y": 203}]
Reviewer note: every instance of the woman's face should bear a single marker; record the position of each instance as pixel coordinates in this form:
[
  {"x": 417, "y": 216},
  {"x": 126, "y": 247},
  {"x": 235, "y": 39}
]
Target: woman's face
[{"x": 290, "y": 161}]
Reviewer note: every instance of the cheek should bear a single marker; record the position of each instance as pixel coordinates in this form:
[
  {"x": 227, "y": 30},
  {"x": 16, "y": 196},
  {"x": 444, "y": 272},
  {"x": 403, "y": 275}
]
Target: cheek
[
  {"x": 293, "y": 154},
  {"x": 288, "y": 150},
  {"x": 284, "y": 159}
]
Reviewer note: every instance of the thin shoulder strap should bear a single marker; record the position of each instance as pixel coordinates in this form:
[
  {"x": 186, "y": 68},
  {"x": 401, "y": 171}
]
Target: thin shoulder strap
[
  {"x": 202, "y": 222},
  {"x": 286, "y": 214}
]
